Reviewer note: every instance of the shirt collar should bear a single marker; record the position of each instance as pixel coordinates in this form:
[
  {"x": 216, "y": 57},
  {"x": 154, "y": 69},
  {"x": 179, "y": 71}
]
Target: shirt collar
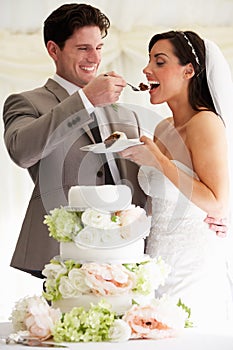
[{"x": 70, "y": 87}]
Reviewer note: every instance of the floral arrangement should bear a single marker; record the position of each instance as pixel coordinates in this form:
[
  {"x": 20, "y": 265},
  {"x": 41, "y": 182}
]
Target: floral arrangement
[
  {"x": 66, "y": 279},
  {"x": 64, "y": 224},
  {"x": 33, "y": 317}
]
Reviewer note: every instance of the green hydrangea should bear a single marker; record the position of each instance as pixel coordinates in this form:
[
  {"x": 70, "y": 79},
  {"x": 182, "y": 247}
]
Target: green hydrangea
[
  {"x": 63, "y": 225},
  {"x": 80, "y": 325}
]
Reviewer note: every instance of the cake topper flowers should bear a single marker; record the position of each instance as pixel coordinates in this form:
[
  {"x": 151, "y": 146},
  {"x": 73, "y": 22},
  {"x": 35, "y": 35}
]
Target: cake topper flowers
[{"x": 95, "y": 228}]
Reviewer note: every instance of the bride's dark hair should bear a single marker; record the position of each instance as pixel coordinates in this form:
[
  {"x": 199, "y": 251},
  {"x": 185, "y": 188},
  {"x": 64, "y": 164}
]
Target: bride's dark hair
[{"x": 190, "y": 48}]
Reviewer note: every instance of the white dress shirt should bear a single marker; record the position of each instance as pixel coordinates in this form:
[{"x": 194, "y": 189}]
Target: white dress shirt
[{"x": 101, "y": 119}]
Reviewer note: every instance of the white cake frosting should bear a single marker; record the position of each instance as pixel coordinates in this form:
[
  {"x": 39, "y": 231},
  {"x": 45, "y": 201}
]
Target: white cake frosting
[
  {"x": 130, "y": 253},
  {"x": 105, "y": 197},
  {"x": 119, "y": 303}
]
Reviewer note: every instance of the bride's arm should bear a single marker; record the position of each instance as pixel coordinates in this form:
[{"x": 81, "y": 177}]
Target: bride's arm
[{"x": 206, "y": 142}]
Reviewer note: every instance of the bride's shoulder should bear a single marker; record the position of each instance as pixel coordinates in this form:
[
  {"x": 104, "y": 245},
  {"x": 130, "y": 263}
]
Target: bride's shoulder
[{"x": 205, "y": 120}]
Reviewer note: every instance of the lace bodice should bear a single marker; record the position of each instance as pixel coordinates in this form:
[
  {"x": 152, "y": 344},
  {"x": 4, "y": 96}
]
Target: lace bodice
[
  {"x": 175, "y": 218},
  {"x": 168, "y": 202}
]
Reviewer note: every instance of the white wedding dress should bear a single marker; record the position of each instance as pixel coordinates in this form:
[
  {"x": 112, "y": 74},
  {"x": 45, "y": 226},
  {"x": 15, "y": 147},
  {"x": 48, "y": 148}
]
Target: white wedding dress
[{"x": 194, "y": 252}]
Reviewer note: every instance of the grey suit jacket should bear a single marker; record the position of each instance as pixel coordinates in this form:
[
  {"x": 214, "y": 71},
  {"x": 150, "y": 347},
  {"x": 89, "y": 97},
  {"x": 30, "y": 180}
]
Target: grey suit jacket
[{"x": 44, "y": 130}]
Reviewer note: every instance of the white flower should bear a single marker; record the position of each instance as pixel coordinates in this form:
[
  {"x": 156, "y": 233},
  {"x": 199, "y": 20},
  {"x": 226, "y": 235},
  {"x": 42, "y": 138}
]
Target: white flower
[
  {"x": 98, "y": 219},
  {"x": 120, "y": 331},
  {"x": 157, "y": 271},
  {"x": 52, "y": 271},
  {"x": 74, "y": 284},
  {"x": 77, "y": 278},
  {"x": 66, "y": 288}
]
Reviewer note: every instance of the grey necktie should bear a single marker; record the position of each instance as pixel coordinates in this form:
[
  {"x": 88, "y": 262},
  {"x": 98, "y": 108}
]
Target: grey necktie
[{"x": 97, "y": 137}]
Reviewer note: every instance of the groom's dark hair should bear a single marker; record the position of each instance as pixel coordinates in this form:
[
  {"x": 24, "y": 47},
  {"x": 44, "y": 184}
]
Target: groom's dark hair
[{"x": 62, "y": 22}]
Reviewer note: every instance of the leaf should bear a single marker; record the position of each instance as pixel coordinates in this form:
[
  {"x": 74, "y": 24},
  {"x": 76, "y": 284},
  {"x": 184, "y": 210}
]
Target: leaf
[
  {"x": 114, "y": 107},
  {"x": 188, "y": 322}
]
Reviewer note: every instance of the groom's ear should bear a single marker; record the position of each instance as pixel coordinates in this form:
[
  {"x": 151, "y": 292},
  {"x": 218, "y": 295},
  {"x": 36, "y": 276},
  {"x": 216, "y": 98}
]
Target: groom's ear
[{"x": 52, "y": 49}]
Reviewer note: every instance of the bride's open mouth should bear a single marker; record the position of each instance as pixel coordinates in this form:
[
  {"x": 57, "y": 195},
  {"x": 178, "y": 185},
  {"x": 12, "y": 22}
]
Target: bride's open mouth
[
  {"x": 153, "y": 85},
  {"x": 149, "y": 86}
]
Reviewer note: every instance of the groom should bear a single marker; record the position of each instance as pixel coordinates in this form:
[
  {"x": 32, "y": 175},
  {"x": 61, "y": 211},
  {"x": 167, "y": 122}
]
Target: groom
[{"x": 46, "y": 127}]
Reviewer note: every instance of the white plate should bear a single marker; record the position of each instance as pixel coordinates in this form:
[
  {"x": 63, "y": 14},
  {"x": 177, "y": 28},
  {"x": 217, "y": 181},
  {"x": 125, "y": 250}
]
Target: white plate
[{"x": 117, "y": 146}]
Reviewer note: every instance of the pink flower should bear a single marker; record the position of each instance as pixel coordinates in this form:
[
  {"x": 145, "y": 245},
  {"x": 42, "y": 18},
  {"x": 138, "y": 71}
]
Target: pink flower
[
  {"x": 105, "y": 279},
  {"x": 33, "y": 314},
  {"x": 41, "y": 318},
  {"x": 131, "y": 215},
  {"x": 158, "y": 320}
]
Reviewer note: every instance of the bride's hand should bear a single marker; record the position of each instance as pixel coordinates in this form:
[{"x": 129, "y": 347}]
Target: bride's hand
[
  {"x": 219, "y": 226},
  {"x": 147, "y": 154}
]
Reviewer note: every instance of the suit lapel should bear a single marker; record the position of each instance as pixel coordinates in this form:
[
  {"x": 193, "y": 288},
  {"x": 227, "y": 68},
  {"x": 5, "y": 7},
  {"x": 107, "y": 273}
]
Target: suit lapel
[{"x": 56, "y": 89}]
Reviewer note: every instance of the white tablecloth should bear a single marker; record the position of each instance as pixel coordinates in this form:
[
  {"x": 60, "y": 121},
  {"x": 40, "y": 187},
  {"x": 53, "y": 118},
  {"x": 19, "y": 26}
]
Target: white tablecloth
[{"x": 191, "y": 339}]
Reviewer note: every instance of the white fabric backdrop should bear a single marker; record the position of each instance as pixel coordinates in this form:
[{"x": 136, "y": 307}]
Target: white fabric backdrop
[{"x": 24, "y": 64}]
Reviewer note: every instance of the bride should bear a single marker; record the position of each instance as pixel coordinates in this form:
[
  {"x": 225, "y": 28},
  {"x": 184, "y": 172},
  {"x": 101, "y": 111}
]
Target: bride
[{"x": 185, "y": 171}]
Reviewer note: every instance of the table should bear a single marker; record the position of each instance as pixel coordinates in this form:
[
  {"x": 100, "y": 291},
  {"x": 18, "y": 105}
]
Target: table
[{"x": 191, "y": 339}]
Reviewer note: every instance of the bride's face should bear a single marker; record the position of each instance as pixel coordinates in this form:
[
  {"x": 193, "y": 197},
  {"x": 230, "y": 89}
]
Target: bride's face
[{"x": 167, "y": 78}]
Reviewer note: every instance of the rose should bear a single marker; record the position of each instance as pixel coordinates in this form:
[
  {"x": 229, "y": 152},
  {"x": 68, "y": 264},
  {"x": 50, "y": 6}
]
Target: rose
[
  {"x": 98, "y": 219},
  {"x": 77, "y": 277},
  {"x": 54, "y": 270},
  {"x": 34, "y": 315},
  {"x": 66, "y": 288},
  {"x": 74, "y": 284}
]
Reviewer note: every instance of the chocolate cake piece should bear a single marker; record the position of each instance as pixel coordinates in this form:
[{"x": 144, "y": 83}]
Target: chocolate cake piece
[
  {"x": 143, "y": 87},
  {"x": 109, "y": 141}
]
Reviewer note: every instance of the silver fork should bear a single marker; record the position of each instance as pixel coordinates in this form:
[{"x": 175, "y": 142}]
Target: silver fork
[
  {"x": 134, "y": 88},
  {"x": 29, "y": 341}
]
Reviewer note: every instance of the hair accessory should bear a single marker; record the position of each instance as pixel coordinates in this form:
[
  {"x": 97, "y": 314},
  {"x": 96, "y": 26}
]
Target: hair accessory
[{"x": 191, "y": 45}]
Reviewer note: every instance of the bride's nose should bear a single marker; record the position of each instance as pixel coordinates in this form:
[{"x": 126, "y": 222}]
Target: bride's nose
[{"x": 147, "y": 70}]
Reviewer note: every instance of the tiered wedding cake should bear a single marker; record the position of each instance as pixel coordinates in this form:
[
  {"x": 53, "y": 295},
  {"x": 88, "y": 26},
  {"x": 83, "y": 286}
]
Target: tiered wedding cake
[
  {"x": 101, "y": 285},
  {"x": 101, "y": 238}
]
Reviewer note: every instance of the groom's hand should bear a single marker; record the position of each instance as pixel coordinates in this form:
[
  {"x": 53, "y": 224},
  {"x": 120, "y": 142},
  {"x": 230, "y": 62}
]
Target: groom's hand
[{"x": 217, "y": 225}]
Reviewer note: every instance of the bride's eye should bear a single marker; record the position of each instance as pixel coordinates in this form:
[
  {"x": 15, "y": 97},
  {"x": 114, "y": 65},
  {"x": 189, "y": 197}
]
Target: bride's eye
[{"x": 160, "y": 63}]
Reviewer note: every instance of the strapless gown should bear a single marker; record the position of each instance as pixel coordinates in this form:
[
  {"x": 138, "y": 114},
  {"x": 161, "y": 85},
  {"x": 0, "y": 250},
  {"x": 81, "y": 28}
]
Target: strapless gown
[{"x": 194, "y": 252}]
